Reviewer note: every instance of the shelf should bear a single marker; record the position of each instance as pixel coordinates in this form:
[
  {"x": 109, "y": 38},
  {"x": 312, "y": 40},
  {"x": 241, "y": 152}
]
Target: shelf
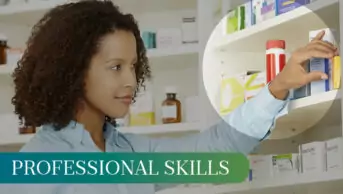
[
  {"x": 316, "y": 183},
  {"x": 182, "y": 50},
  {"x": 30, "y": 13},
  {"x": 165, "y": 128},
  {"x": 16, "y": 139},
  {"x": 182, "y": 53},
  {"x": 319, "y": 14},
  {"x": 9, "y": 134},
  {"x": 323, "y": 109},
  {"x": 6, "y": 69}
]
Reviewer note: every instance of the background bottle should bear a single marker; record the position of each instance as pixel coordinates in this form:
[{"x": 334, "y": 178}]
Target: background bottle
[{"x": 171, "y": 107}]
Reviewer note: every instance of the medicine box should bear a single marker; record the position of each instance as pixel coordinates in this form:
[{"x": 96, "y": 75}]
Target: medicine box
[
  {"x": 336, "y": 72},
  {"x": 232, "y": 92},
  {"x": 248, "y": 21},
  {"x": 284, "y": 6},
  {"x": 234, "y": 20},
  {"x": 330, "y": 35},
  {"x": 142, "y": 111},
  {"x": 263, "y": 10},
  {"x": 168, "y": 38},
  {"x": 261, "y": 167},
  {"x": 254, "y": 83},
  {"x": 334, "y": 154},
  {"x": 285, "y": 164},
  {"x": 305, "y": 90},
  {"x": 313, "y": 157},
  {"x": 322, "y": 65}
]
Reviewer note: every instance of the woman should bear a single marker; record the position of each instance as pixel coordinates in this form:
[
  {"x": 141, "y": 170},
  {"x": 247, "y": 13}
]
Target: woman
[{"x": 83, "y": 65}]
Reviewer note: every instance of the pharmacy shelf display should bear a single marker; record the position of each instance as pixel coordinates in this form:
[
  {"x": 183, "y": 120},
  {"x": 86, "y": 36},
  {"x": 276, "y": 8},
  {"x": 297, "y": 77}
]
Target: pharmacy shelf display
[
  {"x": 310, "y": 123},
  {"x": 10, "y": 136},
  {"x": 317, "y": 183},
  {"x": 247, "y": 48}
]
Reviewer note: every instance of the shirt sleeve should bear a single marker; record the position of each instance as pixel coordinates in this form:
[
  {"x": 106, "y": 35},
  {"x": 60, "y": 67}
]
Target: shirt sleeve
[{"x": 240, "y": 131}]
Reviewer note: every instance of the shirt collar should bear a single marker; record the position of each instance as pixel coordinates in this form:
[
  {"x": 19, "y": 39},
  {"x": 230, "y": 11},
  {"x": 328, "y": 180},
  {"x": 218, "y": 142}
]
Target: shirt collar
[{"x": 76, "y": 134}]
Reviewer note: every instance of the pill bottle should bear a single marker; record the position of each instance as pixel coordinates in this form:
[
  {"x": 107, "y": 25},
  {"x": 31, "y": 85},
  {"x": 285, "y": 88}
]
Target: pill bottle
[
  {"x": 3, "y": 49},
  {"x": 171, "y": 107},
  {"x": 27, "y": 130},
  {"x": 275, "y": 58}
]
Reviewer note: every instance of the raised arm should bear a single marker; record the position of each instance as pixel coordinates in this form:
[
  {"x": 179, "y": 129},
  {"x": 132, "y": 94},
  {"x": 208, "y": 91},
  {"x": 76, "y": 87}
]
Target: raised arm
[{"x": 245, "y": 127}]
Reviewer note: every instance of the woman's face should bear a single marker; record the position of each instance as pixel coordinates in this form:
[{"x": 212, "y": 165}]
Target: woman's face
[{"x": 111, "y": 79}]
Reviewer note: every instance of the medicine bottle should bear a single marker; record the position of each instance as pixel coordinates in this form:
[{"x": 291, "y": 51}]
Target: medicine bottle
[
  {"x": 27, "y": 130},
  {"x": 275, "y": 58},
  {"x": 3, "y": 50},
  {"x": 171, "y": 107}
]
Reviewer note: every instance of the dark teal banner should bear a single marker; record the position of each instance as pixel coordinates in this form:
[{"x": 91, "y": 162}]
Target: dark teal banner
[{"x": 123, "y": 167}]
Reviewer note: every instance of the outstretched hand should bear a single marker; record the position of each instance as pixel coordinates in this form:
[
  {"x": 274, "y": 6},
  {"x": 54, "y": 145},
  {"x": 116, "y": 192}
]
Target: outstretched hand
[{"x": 294, "y": 74}]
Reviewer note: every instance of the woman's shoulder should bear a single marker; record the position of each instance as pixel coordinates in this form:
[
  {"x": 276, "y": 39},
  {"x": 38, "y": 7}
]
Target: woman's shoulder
[{"x": 46, "y": 140}]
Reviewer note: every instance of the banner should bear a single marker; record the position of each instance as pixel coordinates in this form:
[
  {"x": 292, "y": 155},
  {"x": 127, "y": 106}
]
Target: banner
[{"x": 123, "y": 167}]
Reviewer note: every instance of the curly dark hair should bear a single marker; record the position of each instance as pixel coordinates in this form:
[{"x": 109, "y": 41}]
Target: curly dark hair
[{"x": 49, "y": 78}]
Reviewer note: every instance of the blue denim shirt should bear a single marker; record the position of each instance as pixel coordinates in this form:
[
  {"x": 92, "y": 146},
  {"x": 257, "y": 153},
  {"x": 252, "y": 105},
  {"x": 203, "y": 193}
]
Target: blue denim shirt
[{"x": 241, "y": 131}]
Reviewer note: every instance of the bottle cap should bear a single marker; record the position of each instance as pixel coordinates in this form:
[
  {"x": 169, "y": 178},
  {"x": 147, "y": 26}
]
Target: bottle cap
[
  {"x": 276, "y": 44},
  {"x": 170, "y": 90}
]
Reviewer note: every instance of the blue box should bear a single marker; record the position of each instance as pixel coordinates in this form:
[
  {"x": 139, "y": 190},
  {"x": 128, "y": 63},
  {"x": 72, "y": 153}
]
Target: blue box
[
  {"x": 284, "y": 6},
  {"x": 323, "y": 65}
]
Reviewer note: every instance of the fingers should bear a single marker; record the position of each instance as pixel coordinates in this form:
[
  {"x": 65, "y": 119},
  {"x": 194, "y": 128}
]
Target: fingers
[
  {"x": 328, "y": 45},
  {"x": 319, "y": 36},
  {"x": 315, "y": 76},
  {"x": 321, "y": 49}
]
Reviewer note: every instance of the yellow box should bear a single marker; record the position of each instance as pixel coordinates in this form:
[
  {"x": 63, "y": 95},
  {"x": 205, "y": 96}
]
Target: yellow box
[
  {"x": 142, "y": 119},
  {"x": 254, "y": 84},
  {"x": 232, "y": 92},
  {"x": 336, "y": 72}
]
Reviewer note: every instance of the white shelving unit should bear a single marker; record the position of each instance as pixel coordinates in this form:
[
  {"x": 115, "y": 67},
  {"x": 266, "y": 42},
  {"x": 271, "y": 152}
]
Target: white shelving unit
[
  {"x": 198, "y": 70},
  {"x": 326, "y": 182},
  {"x": 160, "y": 129}
]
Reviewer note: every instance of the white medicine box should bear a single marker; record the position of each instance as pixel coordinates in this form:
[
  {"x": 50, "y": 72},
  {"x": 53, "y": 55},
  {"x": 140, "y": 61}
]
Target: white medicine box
[
  {"x": 261, "y": 167},
  {"x": 313, "y": 157},
  {"x": 334, "y": 154}
]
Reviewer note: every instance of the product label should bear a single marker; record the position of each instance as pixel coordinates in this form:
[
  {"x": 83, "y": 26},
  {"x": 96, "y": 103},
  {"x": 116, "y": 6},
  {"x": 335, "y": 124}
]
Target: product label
[{"x": 169, "y": 111}]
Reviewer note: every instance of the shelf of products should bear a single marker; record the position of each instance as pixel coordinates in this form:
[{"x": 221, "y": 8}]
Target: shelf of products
[
  {"x": 317, "y": 14},
  {"x": 317, "y": 167},
  {"x": 304, "y": 113},
  {"x": 316, "y": 183}
]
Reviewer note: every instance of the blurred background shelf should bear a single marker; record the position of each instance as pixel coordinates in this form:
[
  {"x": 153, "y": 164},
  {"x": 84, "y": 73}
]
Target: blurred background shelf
[{"x": 162, "y": 128}]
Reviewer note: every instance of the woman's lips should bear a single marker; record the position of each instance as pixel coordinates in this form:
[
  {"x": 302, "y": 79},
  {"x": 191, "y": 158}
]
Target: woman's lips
[{"x": 125, "y": 99}]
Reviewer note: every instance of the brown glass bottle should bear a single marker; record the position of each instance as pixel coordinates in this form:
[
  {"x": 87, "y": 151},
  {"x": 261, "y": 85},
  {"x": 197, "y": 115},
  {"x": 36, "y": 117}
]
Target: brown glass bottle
[
  {"x": 3, "y": 50},
  {"x": 171, "y": 107},
  {"x": 27, "y": 130}
]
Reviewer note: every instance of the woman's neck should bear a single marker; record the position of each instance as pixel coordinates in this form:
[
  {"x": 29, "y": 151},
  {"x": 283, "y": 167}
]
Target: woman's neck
[{"x": 93, "y": 121}]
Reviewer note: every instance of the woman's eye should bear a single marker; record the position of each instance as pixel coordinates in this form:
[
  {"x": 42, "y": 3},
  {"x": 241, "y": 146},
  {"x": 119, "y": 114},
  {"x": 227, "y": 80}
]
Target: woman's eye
[{"x": 116, "y": 67}]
